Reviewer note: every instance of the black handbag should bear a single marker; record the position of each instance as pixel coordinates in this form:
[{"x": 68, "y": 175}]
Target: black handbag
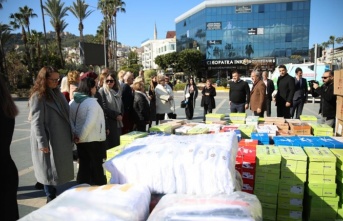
[{"x": 183, "y": 104}]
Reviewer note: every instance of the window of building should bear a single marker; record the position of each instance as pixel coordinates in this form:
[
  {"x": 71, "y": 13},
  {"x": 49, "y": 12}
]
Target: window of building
[
  {"x": 288, "y": 37},
  {"x": 260, "y": 8},
  {"x": 289, "y": 6}
]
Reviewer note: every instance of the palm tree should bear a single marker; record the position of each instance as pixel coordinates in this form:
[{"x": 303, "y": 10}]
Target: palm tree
[
  {"x": 332, "y": 40},
  {"x": 5, "y": 35},
  {"x": 56, "y": 11},
  {"x": 35, "y": 40},
  {"x": 27, "y": 13},
  {"x": 79, "y": 10},
  {"x": 1, "y": 1}
]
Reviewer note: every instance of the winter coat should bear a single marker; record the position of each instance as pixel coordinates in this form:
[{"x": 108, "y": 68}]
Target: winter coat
[
  {"x": 209, "y": 100},
  {"x": 258, "y": 96},
  {"x": 163, "y": 93},
  {"x": 87, "y": 120},
  {"x": 50, "y": 127}
]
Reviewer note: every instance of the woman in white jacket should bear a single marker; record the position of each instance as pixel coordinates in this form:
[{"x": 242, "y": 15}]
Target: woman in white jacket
[
  {"x": 88, "y": 125},
  {"x": 164, "y": 99}
]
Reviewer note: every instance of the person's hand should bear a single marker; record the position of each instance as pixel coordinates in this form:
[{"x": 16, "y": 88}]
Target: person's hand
[
  {"x": 246, "y": 106},
  {"x": 315, "y": 85},
  {"x": 207, "y": 94},
  {"x": 258, "y": 110},
  {"x": 107, "y": 132},
  {"x": 288, "y": 104},
  {"x": 119, "y": 118},
  {"x": 45, "y": 150}
]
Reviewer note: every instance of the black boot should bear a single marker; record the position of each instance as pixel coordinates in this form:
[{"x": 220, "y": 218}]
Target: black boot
[
  {"x": 50, "y": 198},
  {"x": 39, "y": 186}
]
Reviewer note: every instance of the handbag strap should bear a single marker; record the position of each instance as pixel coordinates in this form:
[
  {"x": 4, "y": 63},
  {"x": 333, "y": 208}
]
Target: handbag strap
[{"x": 77, "y": 110}]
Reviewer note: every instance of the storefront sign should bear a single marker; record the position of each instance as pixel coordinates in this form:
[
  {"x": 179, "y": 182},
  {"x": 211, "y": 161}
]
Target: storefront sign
[
  {"x": 243, "y": 9},
  {"x": 213, "y": 25},
  {"x": 230, "y": 62}
]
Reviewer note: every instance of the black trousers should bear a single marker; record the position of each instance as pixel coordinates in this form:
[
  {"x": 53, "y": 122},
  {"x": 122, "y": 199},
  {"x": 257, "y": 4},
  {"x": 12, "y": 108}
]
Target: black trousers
[
  {"x": 283, "y": 111},
  {"x": 90, "y": 163},
  {"x": 269, "y": 107},
  {"x": 207, "y": 109},
  {"x": 297, "y": 107},
  {"x": 189, "y": 110}
]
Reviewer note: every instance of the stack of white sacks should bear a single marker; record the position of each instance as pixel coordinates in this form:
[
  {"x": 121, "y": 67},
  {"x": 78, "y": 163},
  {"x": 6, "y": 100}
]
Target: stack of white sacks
[
  {"x": 125, "y": 202},
  {"x": 187, "y": 169}
]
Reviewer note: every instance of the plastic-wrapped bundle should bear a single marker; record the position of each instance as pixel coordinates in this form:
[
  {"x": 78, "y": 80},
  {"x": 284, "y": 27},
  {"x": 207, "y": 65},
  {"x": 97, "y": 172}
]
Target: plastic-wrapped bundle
[
  {"x": 238, "y": 206},
  {"x": 199, "y": 164},
  {"x": 99, "y": 203}
]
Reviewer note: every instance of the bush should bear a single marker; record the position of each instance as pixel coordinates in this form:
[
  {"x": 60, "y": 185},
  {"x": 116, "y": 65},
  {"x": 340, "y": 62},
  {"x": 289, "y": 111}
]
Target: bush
[{"x": 178, "y": 87}]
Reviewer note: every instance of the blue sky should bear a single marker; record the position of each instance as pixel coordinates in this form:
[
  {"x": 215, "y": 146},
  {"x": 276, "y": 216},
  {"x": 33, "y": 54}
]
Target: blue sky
[{"x": 137, "y": 24}]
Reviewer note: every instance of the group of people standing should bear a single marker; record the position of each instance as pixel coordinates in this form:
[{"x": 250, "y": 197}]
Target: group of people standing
[{"x": 290, "y": 97}]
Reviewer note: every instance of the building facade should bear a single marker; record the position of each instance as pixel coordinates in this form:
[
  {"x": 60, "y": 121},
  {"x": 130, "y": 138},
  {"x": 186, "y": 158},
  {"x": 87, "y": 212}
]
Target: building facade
[
  {"x": 245, "y": 34},
  {"x": 150, "y": 49}
]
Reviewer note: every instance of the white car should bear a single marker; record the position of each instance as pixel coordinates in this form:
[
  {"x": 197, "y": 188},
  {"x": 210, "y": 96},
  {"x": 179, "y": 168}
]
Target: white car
[{"x": 249, "y": 81}]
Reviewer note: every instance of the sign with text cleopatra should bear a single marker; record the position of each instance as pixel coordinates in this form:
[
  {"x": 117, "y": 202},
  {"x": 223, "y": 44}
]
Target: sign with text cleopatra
[
  {"x": 229, "y": 62},
  {"x": 213, "y": 25}
]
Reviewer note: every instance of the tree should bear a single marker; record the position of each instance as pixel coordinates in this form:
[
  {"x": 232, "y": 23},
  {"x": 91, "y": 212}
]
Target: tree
[
  {"x": 5, "y": 35},
  {"x": 56, "y": 11},
  {"x": 1, "y": 1},
  {"x": 27, "y": 14},
  {"x": 190, "y": 60},
  {"x": 79, "y": 10},
  {"x": 332, "y": 40},
  {"x": 160, "y": 61}
]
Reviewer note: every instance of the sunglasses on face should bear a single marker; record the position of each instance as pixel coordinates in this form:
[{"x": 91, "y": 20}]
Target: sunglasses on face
[
  {"x": 53, "y": 80},
  {"x": 109, "y": 81},
  {"x": 324, "y": 77}
]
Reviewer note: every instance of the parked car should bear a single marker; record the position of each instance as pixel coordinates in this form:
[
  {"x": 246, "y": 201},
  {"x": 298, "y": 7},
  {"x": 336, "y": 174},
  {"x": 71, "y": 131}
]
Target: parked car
[{"x": 249, "y": 81}]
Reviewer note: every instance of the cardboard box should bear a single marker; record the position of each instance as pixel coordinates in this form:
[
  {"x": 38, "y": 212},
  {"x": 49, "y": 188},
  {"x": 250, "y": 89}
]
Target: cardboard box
[
  {"x": 339, "y": 128},
  {"x": 339, "y": 155},
  {"x": 271, "y": 187},
  {"x": 308, "y": 118},
  {"x": 269, "y": 211},
  {"x": 320, "y": 168},
  {"x": 282, "y": 126},
  {"x": 273, "y": 120},
  {"x": 289, "y": 214},
  {"x": 296, "y": 188},
  {"x": 293, "y": 159},
  {"x": 319, "y": 154},
  {"x": 268, "y": 159},
  {"x": 267, "y": 178},
  {"x": 323, "y": 202},
  {"x": 300, "y": 128},
  {"x": 293, "y": 177},
  {"x": 322, "y": 189},
  {"x": 266, "y": 197},
  {"x": 129, "y": 137},
  {"x": 290, "y": 202},
  {"x": 322, "y": 178},
  {"x": 338, "y": 82}
]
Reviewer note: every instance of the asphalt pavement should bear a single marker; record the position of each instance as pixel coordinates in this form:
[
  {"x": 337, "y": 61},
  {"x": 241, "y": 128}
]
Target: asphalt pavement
[{"x": 30, "y": 199}]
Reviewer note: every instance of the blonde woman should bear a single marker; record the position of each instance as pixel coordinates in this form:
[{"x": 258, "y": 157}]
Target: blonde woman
[
  {"x": 121, "y": 74},
  {"x": 65, "y": 88},
  {"x": 73, "y": 81},
  {"x": 164, "y": 98},
  {"x": 113, "y": 108}
]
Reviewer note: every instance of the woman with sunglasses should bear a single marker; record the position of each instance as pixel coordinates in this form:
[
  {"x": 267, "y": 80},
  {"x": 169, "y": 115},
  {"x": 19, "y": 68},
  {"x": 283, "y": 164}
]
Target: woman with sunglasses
[
  {"x": 113, "y": 108},
  {"x": 51, "y": 133}
]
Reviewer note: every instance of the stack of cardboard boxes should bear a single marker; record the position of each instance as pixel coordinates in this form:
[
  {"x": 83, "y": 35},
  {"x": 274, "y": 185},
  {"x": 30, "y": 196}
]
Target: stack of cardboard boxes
[
  {"x": 339, "y": 180},
  {"x": 246, "y": 163},
  {"x": 292, "y": 183},
  {"x": 338, "y": 90},
  {"x": 268, "y": 160},
  {"x": 321, "y": 198}
]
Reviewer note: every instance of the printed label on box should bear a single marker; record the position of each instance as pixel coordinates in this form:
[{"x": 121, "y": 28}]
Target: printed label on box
[
  {"x": 295, "y": 214},
  {"x": 296, "y": 202},
  {"x": 297, "y": 189}
]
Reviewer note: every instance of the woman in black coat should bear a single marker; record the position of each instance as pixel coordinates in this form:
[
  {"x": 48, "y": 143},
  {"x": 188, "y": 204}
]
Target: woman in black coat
[
  {"x": 9, "y": 172},
  {"x": 191, "y": 94},
  {"x": 141, "y": 107},
  {"x": 207, "y": 100}
]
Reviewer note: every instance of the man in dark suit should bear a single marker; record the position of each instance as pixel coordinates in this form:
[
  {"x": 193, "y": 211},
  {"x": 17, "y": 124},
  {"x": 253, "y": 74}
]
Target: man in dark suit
[
  {"x": 269, "y": 91},
  {"x": 300, "y": 94},
  {"x": 285, "y": 93}
]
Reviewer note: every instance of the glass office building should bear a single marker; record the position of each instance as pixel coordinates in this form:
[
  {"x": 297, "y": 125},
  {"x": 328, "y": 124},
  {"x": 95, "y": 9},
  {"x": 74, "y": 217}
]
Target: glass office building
[{"x": 243, "y": 34}]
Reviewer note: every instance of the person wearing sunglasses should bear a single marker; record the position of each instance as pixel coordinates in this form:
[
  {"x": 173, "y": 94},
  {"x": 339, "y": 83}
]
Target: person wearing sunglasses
[
  {"x": 327, "y": 99},
  {"x": 113, "y": 108},
  {"x": 51, "y": 133}
]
